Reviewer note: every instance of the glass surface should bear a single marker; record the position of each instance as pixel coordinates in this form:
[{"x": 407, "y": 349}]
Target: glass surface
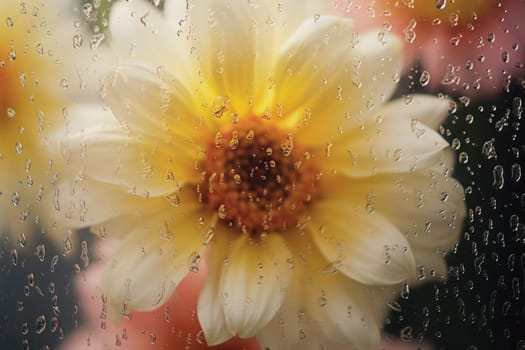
[{"x": 258, "y": 174}]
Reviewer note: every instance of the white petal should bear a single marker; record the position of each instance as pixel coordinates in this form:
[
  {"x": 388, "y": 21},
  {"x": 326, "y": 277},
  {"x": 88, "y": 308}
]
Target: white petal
[
  {"x": 365, "y": 247},
  {"x": 427, "y": 109},
  {"x": 209, "y": 309},
  {"x": 80, "y": 202},
  {"x": 157, "y": 105},
  {"x": 343, "y": 310},
  {"x": 254, "y": 283},
  {"x": 151, "y": 261},
  {"x": 388, "y": 141},
  {"x": 138, "y": 30},
  {"x": 106, "y": 152},
  {"x": 427, "y": 206},
  {"x": 324, "y": 309},
  {"x": 326, "y": 89},
  {"x": 286, "y": 329}
]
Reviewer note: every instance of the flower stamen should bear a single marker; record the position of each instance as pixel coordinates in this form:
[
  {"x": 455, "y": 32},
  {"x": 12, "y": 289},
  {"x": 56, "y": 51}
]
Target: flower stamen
[{"x": 257, "y": 178}]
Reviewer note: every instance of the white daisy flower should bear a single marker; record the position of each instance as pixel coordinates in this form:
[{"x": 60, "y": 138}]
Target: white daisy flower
[{"x": 259, "y": 137}]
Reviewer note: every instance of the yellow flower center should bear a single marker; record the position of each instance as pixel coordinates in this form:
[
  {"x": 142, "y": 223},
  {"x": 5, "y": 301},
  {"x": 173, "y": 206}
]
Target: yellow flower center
[
  {"x": 257, "y": 177},
  {"x": 454, "y": 12}
]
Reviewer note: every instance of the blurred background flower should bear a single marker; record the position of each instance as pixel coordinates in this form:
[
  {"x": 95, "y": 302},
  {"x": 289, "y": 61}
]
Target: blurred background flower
[
  {"x": 41, "y": 74},
  {"x": 468, "y": 48}
]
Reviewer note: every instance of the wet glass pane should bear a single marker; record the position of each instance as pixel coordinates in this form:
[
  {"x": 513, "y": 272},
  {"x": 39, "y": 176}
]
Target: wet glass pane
[{"x": 262, "y": 174}]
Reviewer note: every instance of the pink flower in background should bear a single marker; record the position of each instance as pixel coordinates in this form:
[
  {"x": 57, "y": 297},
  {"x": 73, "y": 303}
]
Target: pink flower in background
[{"x": 465, "y": 47}]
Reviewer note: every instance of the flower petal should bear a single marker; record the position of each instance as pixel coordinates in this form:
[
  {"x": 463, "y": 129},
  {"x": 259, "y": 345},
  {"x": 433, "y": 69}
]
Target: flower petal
[
  {"x": 168, "y": 244},
  {"x": 137, "y": 27},
  {"x": 365, "y": 247},
  {"x": 79, "y": 202},
  {"x": 155, "y": 104},
  {"x": 342, "y": 310},
  {"x": 426, "y": 206},
  {"x": 327, "y": 309},
  {"x": 427, "y": 109},
  {"x": 106, "y": 152},
  {"x": 388, "y": 141},
  {"x": 325, "y": 80},
  {"x": 254, "y": 283},
  {"x": 209, "y": 309},
  {"x": 235, "y": 46}
]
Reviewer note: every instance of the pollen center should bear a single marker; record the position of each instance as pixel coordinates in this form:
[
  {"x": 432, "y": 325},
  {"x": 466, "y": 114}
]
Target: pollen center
[{"x": 257, "y": 177}]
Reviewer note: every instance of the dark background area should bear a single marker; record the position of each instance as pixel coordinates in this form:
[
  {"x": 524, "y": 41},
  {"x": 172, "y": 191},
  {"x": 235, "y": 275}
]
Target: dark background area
[
  {"x": 481, "y": 306},
  {"x": 37, "y": 299}
]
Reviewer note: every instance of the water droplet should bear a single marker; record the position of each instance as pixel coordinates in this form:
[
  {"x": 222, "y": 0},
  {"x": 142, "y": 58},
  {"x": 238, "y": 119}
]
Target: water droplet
[
  {"x": 77, "y": 41},
  {"x": 218, "y": 139},
  {"x": 31, "y": 279},
  {"x": 498, "y": 179},
  {"x": 22, "y": 241},
  {"x": 11, "y": 113},
  {"x": 173, "y": 199},
  {"x": 208, "y": 235},
  {"x": 95, "y": 40},
  {"x": 40, "y": 252},
  {"x": 394, "y": 305},
  {"x": 40, "y": 49},
  {"x": 53, "y": 324},
  {"x": 463, "y": 158},
  {"x": 14, "y": 257},
  {"x": 406, "y": 334},
  {"x": 40, "y": 324},
  {"x": 87, "y": 9},
  {"x": 505, "y": 57},
  {"x": 220, "y": 106},
  {"x": 193, "y": 262},
  {"x": 489, "y": 150},
  {"x": 19, "y": 148},
  {"x": 234, "y": 142},
  {"x": 237, "y": 179},
  {"x": 515, "y": 172},
  {"x": 54, "y": 261},
  {"x": 441, "y": 4},
  {"x": 15, "y": 199},
  {"x": 456, "y": 144},
  {"x": 424, "y": 79}
]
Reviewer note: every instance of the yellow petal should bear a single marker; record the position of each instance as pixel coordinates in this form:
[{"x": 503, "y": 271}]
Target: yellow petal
[{"x": 235, "y": 49}]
